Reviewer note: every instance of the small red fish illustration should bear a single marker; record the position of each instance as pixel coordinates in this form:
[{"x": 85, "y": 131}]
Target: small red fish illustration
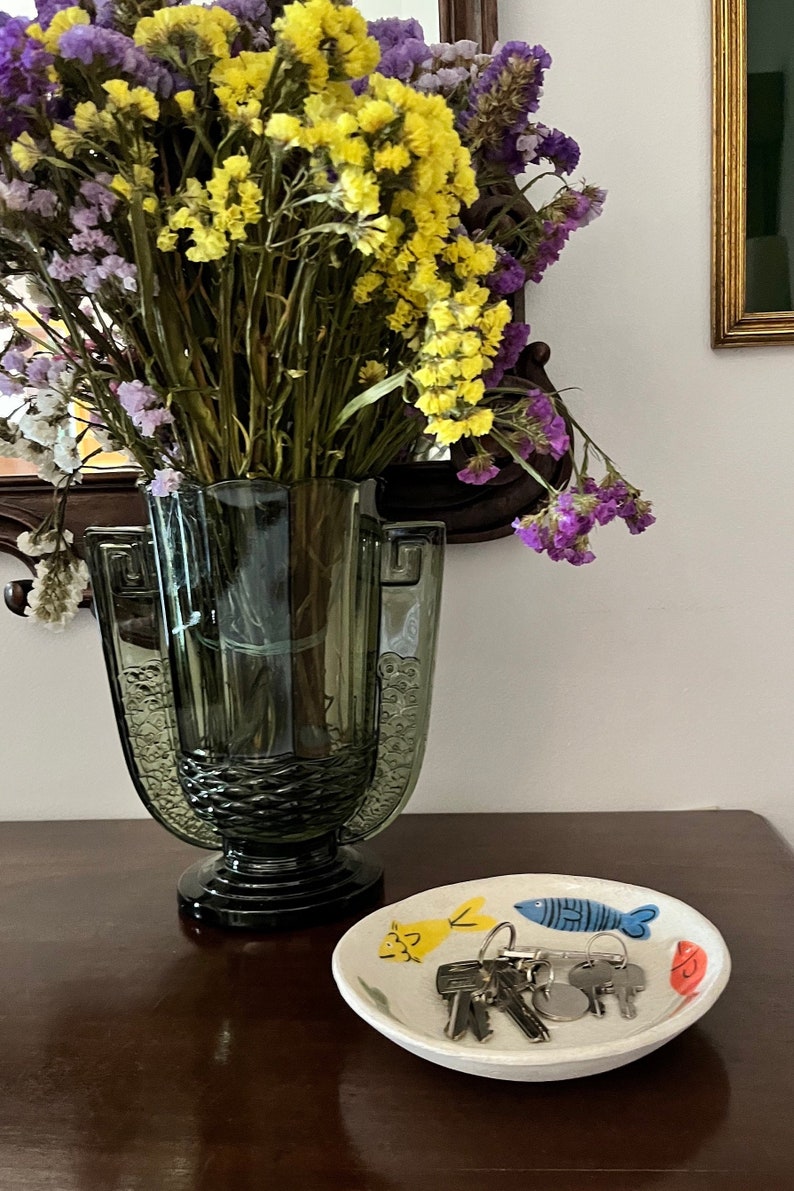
[{"x": 688, "y": 967}]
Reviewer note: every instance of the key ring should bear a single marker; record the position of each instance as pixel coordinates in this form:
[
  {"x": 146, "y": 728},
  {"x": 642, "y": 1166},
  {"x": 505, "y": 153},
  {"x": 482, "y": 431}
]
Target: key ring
[
  {"x": 544, "y": 988},
  {"x": 492, "y": 933},
  {"x": 607, "y": 934}
]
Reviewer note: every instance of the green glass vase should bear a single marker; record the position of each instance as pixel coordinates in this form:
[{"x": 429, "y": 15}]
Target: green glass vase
[{"x": 270, "y": 652}]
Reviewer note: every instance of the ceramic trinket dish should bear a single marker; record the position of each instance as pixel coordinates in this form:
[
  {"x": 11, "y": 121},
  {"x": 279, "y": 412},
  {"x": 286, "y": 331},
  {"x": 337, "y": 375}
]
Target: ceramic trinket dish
[{"x": 385, "y": 967}]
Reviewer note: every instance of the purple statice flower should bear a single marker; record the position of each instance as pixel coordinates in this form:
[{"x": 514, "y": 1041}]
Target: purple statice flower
[
  {"x": 390, "y": 32},
  {"x": 562, "y": 529},
  {"x": 134, "y": 396},
  {"x": 44, "y": 203},
  {"x": 617, "y": 499},
  {"x": 41, "y": 373},
  {"x": 557, "y": 531},
  {"x": 503, "y": 68},
  {"x": 479, "y": 470},
  {"x": 118, "y": 54},
  {"x": 105, "y": 14},
  {"x": 554, "y": 146},
  {"x": 149, "y": 420},
  {"x": 402, "y": 47},
  {"x": 46, "y": 10},
  {"x": 514, "y": 340},
  {"x": 403, "y": 60},
  {"x": 9, "y": 386},
  {"x": 15, "y": 195},
  {"x": 501, "y": 100},
  {"x": 23, "y": 76},
  {"x": 571, "y": 209},
  {"x": 69, "y": 268},
  {"x": 165, "y": 482},
  {"x": 13, "y": 360},
  {"x": 144, "y": 406},
  {"x": 508, "y": 276},
  {"x": 546, "y": 428},
  {"x": 92, "y": 240},
  {"x": 97, "y": 193},
  {"x": 454, "y": 52},
  {"x": 252, "y": 15},
  {"x": 449, "y": 77},
  {"x": 586, "y": 205}
]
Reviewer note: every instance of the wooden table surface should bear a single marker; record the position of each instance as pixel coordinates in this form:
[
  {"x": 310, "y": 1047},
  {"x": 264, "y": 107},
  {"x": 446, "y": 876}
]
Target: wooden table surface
[{"x": 138, "y": 1054}]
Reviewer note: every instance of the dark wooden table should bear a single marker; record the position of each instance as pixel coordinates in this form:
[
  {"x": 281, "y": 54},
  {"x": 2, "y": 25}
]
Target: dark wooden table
[{"x": 137, "y": 1054}]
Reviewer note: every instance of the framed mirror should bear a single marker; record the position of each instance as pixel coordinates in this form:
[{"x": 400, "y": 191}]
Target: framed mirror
[{"x": 753, "y": 173}]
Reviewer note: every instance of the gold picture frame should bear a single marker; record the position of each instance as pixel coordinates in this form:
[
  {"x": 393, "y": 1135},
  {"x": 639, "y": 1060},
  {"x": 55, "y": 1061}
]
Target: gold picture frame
[{"x": 732, "y": 325}]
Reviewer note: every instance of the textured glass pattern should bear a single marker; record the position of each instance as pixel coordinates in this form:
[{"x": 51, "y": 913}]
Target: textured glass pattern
[{"x": 289, "y": 649}]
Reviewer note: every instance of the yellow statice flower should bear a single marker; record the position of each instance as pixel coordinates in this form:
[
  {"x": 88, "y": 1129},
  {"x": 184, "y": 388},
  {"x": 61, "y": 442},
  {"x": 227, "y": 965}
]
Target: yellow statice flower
[
  {"x": 375, "y": 115},
  {"x": 371, "y": 235},
  {"x": 366, "y": 286},
  {"x": 359, "y": 191},
  {"x": 329, "y": 39},
  {"x": 140, "y": 179},
  {"x": 394, "y": 158},
  {"x": 92, "y": 122},
  {"x": 191, "y": 29},
  {"x": 67, "y": 18},
  {"x": 240, "y": 85},
  {"x": 186, "y": 102},
  {"x": 25, "y": 153},
  {"x": 451, "y": 430},
  {"x": 285, "y": 128},
  {"x": 371, "y": 371},
  {"x": 167, "y": 240},
  {"x": 234, "y": 200},
  {"x": 218, "y": 215},
  {"x": 66, "y": 140},
  {"x": 139, "y": 101}
]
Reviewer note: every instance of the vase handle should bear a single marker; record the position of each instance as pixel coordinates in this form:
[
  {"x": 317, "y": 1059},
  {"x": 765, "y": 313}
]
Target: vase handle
[
  {"x": 411, "y": 571},
  {"x": 127, "y": 604}
]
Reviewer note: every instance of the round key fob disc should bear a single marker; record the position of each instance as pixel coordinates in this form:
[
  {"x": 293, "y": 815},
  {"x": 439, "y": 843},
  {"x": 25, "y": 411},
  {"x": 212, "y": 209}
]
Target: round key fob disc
[{"x": 561, "y": 1002}]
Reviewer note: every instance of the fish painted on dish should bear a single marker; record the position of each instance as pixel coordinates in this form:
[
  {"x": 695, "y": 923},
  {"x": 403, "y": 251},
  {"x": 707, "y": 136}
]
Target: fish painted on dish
[
  {"x": 581, "y": 914},
  {"x": 688, "y": 967},
  {"x": 412, "y": 941}
]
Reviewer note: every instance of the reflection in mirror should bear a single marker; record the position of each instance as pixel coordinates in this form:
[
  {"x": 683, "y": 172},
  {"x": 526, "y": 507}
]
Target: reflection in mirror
[{"x": 753, "y": 173}]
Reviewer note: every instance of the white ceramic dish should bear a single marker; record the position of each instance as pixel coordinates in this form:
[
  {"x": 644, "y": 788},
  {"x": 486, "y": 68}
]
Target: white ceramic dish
[{"x": 385, "y": 968}]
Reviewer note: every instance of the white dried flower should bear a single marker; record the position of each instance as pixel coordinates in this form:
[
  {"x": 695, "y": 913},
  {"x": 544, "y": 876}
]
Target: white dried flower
[
  {"x": 57, "y": 590},
  {"x": 66, "y": 455},
  {"x": 38, "y": 429},
  {"x": 37, "y": 543}
]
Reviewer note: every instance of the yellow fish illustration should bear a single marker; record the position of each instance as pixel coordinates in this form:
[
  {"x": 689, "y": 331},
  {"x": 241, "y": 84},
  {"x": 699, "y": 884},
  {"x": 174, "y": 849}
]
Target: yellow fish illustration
[{"x": 413, "y": 940}]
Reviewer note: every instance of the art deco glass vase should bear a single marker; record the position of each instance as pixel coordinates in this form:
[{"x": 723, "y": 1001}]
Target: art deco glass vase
[{"x": 270, "y": 652}]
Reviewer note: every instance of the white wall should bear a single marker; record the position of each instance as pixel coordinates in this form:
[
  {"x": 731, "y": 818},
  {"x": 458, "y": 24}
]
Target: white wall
[{"x": 662, "y": 676}]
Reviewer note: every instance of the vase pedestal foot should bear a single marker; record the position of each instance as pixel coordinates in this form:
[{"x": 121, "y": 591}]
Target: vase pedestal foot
[{"x": 254, "y": 888}]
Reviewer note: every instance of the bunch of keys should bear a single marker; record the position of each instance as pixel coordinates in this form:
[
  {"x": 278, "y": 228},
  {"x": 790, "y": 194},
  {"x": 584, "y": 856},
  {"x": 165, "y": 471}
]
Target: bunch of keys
[
  {"x": 596, "y": 974},
  {"x": 472, "y": 986}
]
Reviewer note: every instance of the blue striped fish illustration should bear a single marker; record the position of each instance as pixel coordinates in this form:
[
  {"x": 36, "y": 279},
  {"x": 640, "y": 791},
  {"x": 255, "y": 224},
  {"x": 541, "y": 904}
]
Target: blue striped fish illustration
[{"x": 579, "y": 913}]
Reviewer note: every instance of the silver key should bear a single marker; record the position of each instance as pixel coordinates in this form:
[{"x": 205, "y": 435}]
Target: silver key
[
  {"x": 507, "y": 996},
  {"x": 593, "y": 979},
  {"x": 627, "y": 981},
  {"x": 479, "y": 1020},
  {"x": 458, "y": 982}
]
